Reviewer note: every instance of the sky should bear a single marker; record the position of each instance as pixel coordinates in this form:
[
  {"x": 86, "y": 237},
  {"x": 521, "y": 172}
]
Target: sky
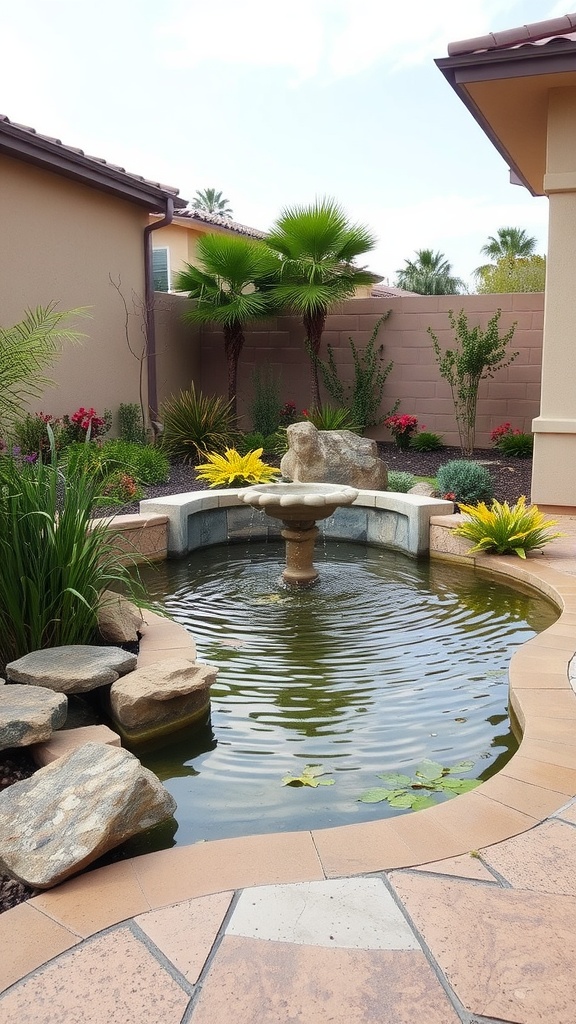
[{"x": 276, "y": 104}]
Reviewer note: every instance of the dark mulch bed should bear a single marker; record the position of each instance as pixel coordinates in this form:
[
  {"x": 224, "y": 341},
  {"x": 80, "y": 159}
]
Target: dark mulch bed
[{"x": 511, "y": 479}]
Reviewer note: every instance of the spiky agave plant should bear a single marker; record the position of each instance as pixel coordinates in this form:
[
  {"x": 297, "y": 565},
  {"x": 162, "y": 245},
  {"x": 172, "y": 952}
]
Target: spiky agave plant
[
  {"x": 504, "y": 530},
  {"x": 235, "y": 470}
]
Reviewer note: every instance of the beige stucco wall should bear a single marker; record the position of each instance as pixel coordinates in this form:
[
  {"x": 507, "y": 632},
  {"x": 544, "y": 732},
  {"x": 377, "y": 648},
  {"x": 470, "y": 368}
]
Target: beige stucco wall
[
  {"x": 513, "y": 394},
  {"x": 60, "y": 242}
]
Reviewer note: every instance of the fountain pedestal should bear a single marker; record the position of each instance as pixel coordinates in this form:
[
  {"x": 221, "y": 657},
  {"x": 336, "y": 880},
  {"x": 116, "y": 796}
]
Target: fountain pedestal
[{"x": 299, "y": 507}]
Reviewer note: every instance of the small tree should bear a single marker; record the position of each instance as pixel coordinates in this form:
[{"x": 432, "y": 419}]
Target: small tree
[
  {"x": 514, "y": 275},
  {"x": 364, "y": 395},
  {"x": 476, "y": 355}
]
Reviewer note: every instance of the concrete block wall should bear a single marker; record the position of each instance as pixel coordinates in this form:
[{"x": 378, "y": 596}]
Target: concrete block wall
[{"x": 513, "y": 394}]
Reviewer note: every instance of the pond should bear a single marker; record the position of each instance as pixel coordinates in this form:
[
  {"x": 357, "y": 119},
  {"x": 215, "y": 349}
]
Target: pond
[{"x": 385, "y": 662}]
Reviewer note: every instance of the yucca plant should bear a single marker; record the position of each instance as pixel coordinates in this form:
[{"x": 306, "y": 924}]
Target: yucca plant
[
  {"x": 195, "y": 424},
  {"x": 331, "y": 417},
  {"x": 53, "y": 567},
  {"x": 235, "y": 470},
  {"x": 505, "y": 530}
]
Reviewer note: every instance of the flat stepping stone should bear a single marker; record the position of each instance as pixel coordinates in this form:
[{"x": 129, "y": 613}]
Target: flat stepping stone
[
  {"x": 29, "y": 715},
  {"x": 170, "y": 695},
  {"x": 67, "y": 740},
  {"x": 72, "y": 669}
]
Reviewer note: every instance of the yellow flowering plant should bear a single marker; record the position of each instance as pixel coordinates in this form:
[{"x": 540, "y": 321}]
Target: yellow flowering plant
[
  {"x": 235, "y": 470},
  {"x": 504, "y": 530}
]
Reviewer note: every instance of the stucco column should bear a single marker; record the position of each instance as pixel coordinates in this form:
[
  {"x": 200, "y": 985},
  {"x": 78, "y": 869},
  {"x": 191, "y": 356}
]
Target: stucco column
[{"x": 554, "y": 467}]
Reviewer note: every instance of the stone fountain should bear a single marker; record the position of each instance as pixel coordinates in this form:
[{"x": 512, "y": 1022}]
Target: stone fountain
[{"x": 299, "y": 506}]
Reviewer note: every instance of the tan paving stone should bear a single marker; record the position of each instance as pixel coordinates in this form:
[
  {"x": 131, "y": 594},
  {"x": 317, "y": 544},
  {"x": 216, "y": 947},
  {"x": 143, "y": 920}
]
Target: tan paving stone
[
  {"x": 554, "y": 729},
  {"x": 553, "y": 702},
  {"x": 186, "y": 932},
  {"x": 549, "y": 776},
  {"x": 533, "y": 800},
  {"x": 185, "y": 872},
  {"x": 95, "y": 900},
  {"x": 568, "y": 813},
  {"x": 475, "y": 821},
  {"x": 506, "y": 953},
  {"x": 549, "y": 752},
  {"x": 112, "y": 979},
  {"x": 465, "y": 866},
  {"x": 543, "y": 859},
  {"x": 355, "y": 849},
  {"x": 314, "y": 985},
  {"x": 27, "y": 940}
]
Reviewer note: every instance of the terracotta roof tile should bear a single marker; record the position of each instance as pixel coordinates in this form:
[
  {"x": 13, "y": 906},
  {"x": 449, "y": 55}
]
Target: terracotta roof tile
[
  {"x": 49, "y": 145},
  {"x": 539, "y": 32},
  {"x": 222, "y": 222}
]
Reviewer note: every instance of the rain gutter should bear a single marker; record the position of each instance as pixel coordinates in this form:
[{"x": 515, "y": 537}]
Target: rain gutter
[{"x": 149, "y": 307}]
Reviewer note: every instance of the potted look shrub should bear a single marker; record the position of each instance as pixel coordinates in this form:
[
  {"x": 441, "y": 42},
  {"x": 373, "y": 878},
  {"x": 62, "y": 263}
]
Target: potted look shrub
[{"x": 401, "y": 427}]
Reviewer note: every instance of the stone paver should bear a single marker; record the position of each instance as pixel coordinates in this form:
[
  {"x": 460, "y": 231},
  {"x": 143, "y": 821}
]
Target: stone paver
[
  {"x": 543, "y": 859},
  {"x": 258, "y": 982},
  {"x": 352, "y": 913},
  {"x": 112, "y": 979},
  {"x": 186, "y": 932},
  {"x": 507, "y": 953}
]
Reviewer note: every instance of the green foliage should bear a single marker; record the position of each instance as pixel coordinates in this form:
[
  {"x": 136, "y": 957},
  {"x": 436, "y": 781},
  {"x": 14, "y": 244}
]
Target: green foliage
[
  {"x": 364, "y": 396},
  {"x": 476, "y": 355},
  {"x": 400, "y": 482},
  {"x": 120, "y": 488},
  {"x": 513, "y": 275},
  {"x": 506, "y": 530},
  {"x": 429, "y": 274},
  {"x": 317, "y": 247},
  {"x": 248, "y": 442},
  {"x": 147, "y": 463},
  {"x": 266, "y": 406},
  {"x": 209, "y": 200},
  {"x": 53, "y": 567},
  {"x": 508, "y": 244},
  {"x": 520, "y": 445},
  {"x": 231, "y": 286},
  {"x": 328, "y": 417},
  {"x": 130, "y": 422},
  {"x": 26, "y": 349},
  {"x": 465, "y": 481},
  {"x": 426, "y": 441},
  {"x": 31, "y": 436},
  {"x": 415, "y": 793},
  {"x": 195, "y": 424},
  {"x": 235, "y": 470},
  {"x": 311, "y": 776}
]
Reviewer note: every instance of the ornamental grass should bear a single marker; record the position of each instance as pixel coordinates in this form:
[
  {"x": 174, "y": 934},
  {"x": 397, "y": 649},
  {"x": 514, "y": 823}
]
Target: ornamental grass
[{"x": 505, "y": 530}]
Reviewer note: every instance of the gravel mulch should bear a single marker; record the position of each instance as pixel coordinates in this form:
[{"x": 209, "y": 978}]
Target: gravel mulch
[{"x": 511, "y": 477}]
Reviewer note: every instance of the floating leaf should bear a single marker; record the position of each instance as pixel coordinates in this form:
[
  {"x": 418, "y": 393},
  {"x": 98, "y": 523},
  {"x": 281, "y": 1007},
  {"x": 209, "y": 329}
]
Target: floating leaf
[
  {"x": 421, "y": 802},
  {"x": 311, "y": 776},
  {"x": 403, "y": 800},
  {"x": 460, "y": 785},
  {"x": 462, "y": 766},
  {"x": 376, "y": 795},
  {"x": 429, "y": 770},
  {"x": 395, "y": 779}
]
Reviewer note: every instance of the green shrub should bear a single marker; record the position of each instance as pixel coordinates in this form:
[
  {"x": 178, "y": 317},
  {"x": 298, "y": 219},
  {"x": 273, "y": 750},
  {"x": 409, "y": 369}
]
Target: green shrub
[
  {"x": 363, "y": 396},
  {"x": 53, "y": 567},
  {"x": 266, "y": 407},
  {"x": 120, "y": 488},
  {"x": 130, "y": 422},
  {"x": 506, "y": 530},
  {"x": 31, "y": 436},
  {"x": 464, "y": 481},
  {"x": 331, "y": 417},
  {"x": 195, "y": 424},
  {"x": 248, "y": 442},
  {"x": 400, "y": 482},
  {"x": 147, "y": 463},
  {"x": 521, "y": 446},
  {"x": 426, "y": 441}
]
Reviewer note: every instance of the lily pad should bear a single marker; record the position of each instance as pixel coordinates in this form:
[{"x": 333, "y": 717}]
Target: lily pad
[{"x": 311, "y": 776}]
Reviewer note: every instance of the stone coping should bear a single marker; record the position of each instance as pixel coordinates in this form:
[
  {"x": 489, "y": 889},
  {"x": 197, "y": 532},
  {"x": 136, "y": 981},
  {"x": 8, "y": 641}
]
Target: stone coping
[
  {"x": 536, "y": 782},
  {"x": 382, "y": 518}
]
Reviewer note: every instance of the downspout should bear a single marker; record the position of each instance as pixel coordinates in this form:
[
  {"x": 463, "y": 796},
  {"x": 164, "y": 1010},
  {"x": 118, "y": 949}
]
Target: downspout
[{"x": 149, "y": 307}]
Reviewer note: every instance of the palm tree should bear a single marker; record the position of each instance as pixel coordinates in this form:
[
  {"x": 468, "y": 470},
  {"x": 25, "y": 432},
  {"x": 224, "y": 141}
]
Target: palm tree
[
  {"x": 226, "y": 287},
  {"x": 508, "y": 244},
  {"x": 429, "y": 274},
  {"x": 317, "y": 247},
  {"x": 210, "y": 201}
]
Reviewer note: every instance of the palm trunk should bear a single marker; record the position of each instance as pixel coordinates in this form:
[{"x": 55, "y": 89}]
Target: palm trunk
[
  {"x": 233, "y": 345},
  {"x": 314, "y": 326}
]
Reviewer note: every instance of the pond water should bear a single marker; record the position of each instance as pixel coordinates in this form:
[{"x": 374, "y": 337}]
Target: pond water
[{"x": 385, "y": 662}]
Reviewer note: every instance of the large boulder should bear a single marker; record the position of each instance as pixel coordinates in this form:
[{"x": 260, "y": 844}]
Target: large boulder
[
  {"x": 73, "y": 669},
  {"x": 332, "y": 457},
  {"x": 119, "y": 620},
  {"x": 74, "y": 810},
  {"x": 161, "y": 698},
  {"x": 29, "y": 715}
]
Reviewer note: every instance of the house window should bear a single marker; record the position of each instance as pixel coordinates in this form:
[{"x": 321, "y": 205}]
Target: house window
[{"x": 160, "y": 270}]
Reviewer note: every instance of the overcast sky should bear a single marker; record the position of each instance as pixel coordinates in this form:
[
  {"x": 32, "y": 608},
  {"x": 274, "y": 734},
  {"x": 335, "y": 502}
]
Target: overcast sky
[{"x": 276, "y": 103}]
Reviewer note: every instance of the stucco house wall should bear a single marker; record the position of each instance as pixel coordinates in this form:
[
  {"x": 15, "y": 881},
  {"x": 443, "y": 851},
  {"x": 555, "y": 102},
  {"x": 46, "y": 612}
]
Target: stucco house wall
[
  {"x": 513, "y": 394},
  {"x": 177, "y": 346},
  {"x": 61, "y": 241}
]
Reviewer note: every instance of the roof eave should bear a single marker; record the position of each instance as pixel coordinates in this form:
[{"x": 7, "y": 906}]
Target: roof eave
[{"x": 41, "y": 153}]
